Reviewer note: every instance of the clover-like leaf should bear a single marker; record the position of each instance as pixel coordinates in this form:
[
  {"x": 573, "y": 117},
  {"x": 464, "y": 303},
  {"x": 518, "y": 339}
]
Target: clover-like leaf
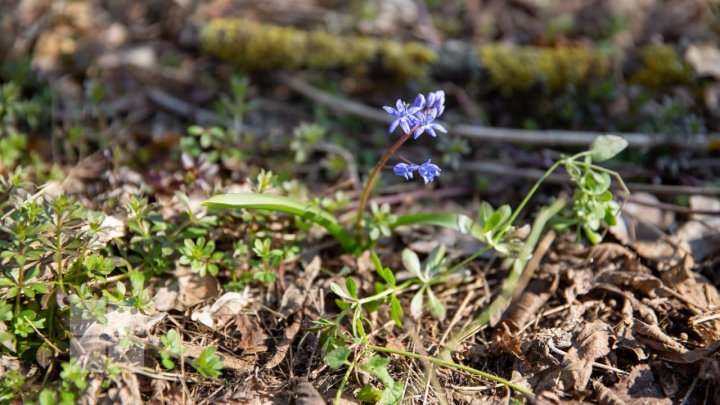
[{"x": 606, "y": 147}]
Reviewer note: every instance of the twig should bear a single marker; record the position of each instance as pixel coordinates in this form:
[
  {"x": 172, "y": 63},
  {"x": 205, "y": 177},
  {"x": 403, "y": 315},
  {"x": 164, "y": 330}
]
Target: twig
[
  {"x": 557, "y": 178},
  {"x": 550, "y": 137}
]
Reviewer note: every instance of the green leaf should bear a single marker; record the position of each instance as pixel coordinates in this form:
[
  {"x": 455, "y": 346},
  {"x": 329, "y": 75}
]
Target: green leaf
[
  {"x": 457, "y": 222},
  {"x": 436, "y": 257},
  {"x": 369, "y": 394},
  {"x": 416, "y": 305},
  {"x": 412, "y": 263},
  {"x": 437, "y": 309},
  {"x": 396, "y": 310},
  {"x": 289, "y": 206},
  {"x": 338, "y": 357},
  {"x": 351, "y": 287},
  {"x": 393, "y": 395},
  {"x": 208, "y": 364},
  {"x": 606, "y": 147},
  {"x": 340, "y": 292},
  {"x": 485, "y": 212}
]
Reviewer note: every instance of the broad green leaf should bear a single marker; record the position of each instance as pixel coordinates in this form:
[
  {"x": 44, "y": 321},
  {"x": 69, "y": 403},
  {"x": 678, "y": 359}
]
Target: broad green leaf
[
  {"x": 606, "y": 147},
  {"x": 289, "y": 206},
  {"x": 369, "y": 394},
  {"x": 412, "y": 263},
  {"x": 338, "y": 357},
  {"x": 393, "y": 395},
  {"x": 436, "y": 308},
  {"x": 485, "y": 212}
]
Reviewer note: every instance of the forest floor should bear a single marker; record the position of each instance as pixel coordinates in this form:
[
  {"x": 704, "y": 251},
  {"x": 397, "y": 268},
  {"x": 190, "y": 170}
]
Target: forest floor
[{"x": 119, "y": 285}]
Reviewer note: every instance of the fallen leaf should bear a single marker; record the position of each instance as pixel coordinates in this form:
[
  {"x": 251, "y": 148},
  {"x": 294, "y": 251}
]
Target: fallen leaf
[
  {"x": 591, "y": 343},
  {"x": 644, "y": 283},
  {"x": 185, "y": 289},
  {"x": 226, "y": 308},
  {"x": 294, "y": 297},
  {"x": 253, "y": 335},
  {"x": 104, "y": 338},
  {"x": 640, "y": 387},
  {"x": 692, "y": 286},
  {"x": 656, "y": 338}
]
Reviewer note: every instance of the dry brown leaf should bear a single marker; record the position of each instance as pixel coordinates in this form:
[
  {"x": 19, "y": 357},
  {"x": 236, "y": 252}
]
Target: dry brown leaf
[
  {"x": 505, "y": 340},
  {"x": 606, "y": 252},
  {"x": 283, "y": 344},
  {"x": 294, "y": 297},
  {"x": 640, "y": 388},
  {"x": 644, "y": 283},
  {"x": 105, "y": 337},
  {"x": 664, "y": 253},
  {"x": 253, "y": 336},
  {"x": 528, "y": 305},
  {"x": 656, "y": 338},
  {"x": 185, "y": 289},
  {"x": 591, "y": 343},
  {"x": 222, "y": 311},
  {"x": 693, "y": 287}
]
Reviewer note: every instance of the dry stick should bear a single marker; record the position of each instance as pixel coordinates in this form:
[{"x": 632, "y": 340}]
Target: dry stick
[
  {"x": 558, "y": 178},
  {"x": 550, "y": 137}
]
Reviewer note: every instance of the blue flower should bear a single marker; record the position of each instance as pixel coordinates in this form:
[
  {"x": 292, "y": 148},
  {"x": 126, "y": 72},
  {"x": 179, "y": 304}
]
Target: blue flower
[
  {"x": 424, "y": 122},
  {"x": 434, "y": 101},
  {"x": 404, "y": 116},
  {"x": 428, "y": 171},
  {"x": 405, "y": 170}
]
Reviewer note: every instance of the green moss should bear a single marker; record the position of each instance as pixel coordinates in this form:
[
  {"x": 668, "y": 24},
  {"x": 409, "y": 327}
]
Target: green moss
[
  {"x": 520, "y": 68},
  {"x": 662, "y": 66},
  {"x": 255, "y": 47}
]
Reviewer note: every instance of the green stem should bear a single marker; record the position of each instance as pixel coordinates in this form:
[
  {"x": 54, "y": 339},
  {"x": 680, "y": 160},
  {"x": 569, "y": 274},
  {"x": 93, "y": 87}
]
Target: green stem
[
  {"x": 451, "y": 364},
  {"x": 346, "y": 377},
  {"x": 532, "y": 191},
  {"x": 371, "y": 183},
  {"x": 510, "y": 282}
]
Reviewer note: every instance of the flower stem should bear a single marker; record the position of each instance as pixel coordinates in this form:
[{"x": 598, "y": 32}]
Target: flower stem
[{"x": 371, "y": 182}]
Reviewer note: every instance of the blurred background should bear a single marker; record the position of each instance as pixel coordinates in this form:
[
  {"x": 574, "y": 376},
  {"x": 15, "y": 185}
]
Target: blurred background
[{"x": 306, "y": 79}]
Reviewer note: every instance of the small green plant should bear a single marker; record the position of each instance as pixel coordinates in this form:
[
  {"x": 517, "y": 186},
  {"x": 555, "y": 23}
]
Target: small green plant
[
  {"x": 208, "y": 364},
  {"x": 172, "y": 348},
  {"x": 201, "y": 256}
]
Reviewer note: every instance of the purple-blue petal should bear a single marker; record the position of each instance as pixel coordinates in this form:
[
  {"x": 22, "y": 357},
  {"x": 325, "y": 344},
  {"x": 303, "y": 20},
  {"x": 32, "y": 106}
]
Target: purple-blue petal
[{"x": 394, "y": 125}]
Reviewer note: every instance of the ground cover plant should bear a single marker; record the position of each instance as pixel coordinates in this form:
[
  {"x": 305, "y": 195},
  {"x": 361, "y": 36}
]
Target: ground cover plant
[{"x": 232, "y": 203}]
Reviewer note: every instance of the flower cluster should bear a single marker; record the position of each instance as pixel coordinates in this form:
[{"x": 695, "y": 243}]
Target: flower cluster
[{"x": 415, "y": 120}]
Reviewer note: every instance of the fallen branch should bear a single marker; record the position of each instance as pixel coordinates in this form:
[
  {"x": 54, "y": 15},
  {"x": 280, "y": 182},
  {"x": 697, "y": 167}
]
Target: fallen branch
[{"x": 550, "y": 137}]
